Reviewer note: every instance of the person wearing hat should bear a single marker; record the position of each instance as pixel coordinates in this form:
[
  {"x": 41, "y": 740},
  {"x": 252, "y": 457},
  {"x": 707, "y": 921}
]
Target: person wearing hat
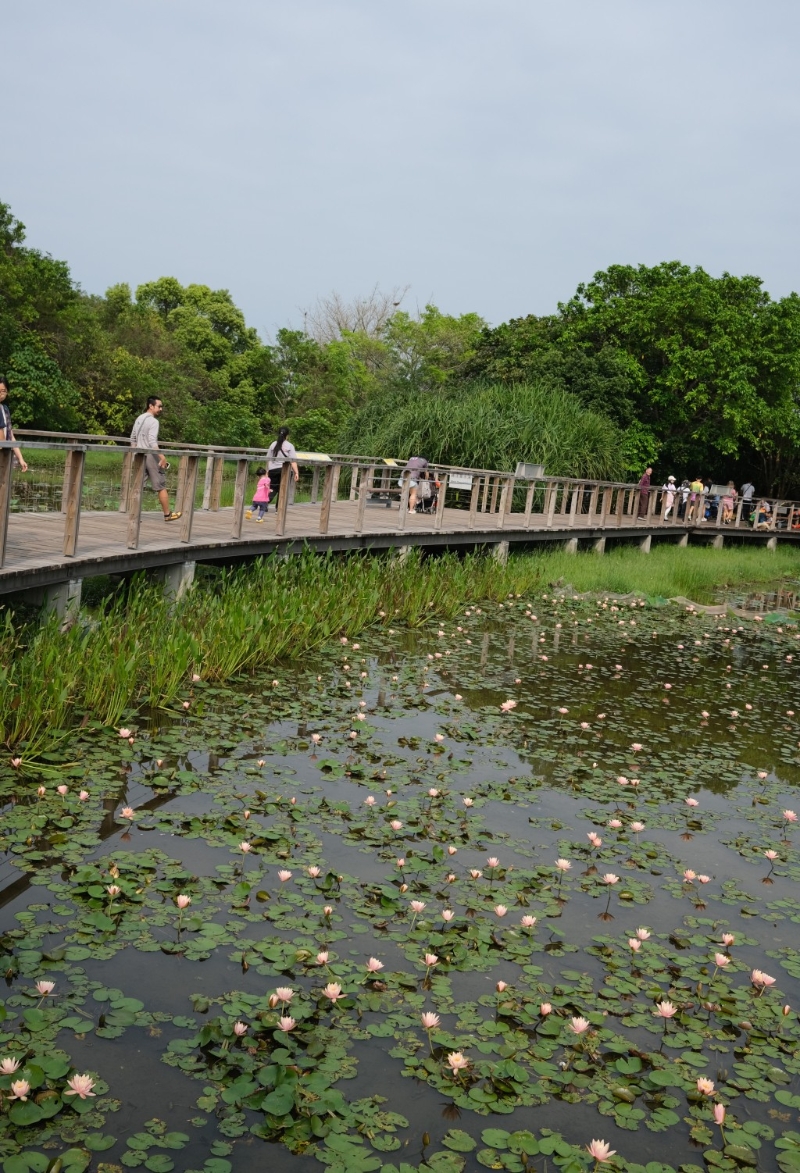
[{"x": 669, "y": 496}]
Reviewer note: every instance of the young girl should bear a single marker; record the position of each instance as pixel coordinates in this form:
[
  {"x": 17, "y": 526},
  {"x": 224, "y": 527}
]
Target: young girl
[{"x": 261, "y": 495}]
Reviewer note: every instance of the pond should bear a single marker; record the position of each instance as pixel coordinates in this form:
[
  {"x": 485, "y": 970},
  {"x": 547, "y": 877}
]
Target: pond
[{"x": 468, "y": 897}]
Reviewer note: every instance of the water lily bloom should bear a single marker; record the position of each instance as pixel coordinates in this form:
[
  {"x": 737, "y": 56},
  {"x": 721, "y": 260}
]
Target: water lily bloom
[
  {"x": 610, "y": 878},
  {"x": 501, "y": 986},
  {"x": 438, "y": 737},
  {"x": 40, "y": 790},
  {"x": 635, "y": 944},
  {"x": 508, "y": 705},
  {"x": 771, "y": 855},
  {"x": 689, "y": 875},
  {"x": 643, "y": 934},
  {"x": 374, "y": 966},
  {"x": 578, "y": 1025},
  {"x": 594, "y": 839},
  {"x": 759, "y": 978},
  {"x": 762, "y": 774},
  {"x": 790, "y": 816},
  {"x": 704, "y": 879},
  {"x": 322, "y": 957},
  {"x": 721, "y": 960},
  {"x": 396, "y": 825},
  {"x": 284, "y": 874},
  {"x": 431, "y": 959},
  {"x": 447, "y": 914},
  {"x": 430, "y": 1020},
  {"x": 719, "y": 1113},
  {"x": 615, "y": 824},
  {"x": 637, "y": 827},
  {"x": 8, "y": 1065},
  {"x": 333, "y": 991},
  {"x": 124, "y": 733},
  {"x": 468, "y": 802},
  {"x": 328, "y": 910},
  {"x": 417, "y": 905},
  {"x": 665, "y": 1010},
  {"x": 81, "y": 1086},
  {"x": 451, "y": 850},
  {"x": 128, "y": 812},
  {"x": 545, "y": 1009},
  {"x": 369, "y": 800},
  {"x": 705, "y": 715},
  {"x": 21, "y": 1089},
  {"x": 313, "y": 872},
  {"x": 284, "y": 994},
  {"x": 563, "y": 865},
  {"x": 706, "y": 1086},
  {"x": 45, "y": 988},
  {"x": 62, "y": 790},
  {"x": 239, "y": 1029},
  {"x": 456, "y": 1061},
  {"x": 691, "y": 802},
  {"x": 500, "y": 909},
  {"x": 786, "y": 1010},
  {"x": 113, "y": 890},
  {"x": 528, "y": 921},
  {"x": 286, "y": 1023},
  {"x": 600, "y": 1150},
  {"x": 636, "y": 747},
  {"x": 82, "y": 797},
  {"x": 316, "y": 738},
  {"x": 493, "y": 862},
  {"x": 475, "y": 873}
]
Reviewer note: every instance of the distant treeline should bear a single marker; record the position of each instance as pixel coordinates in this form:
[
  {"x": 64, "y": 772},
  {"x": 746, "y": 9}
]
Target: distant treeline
[{"x": 663, "y": 365}]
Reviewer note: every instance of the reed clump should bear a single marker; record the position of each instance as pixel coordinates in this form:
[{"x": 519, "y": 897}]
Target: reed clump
[{"x": 138, "y": 648}]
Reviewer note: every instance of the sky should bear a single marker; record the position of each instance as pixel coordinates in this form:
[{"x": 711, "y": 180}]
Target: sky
[{"x": 488, "y": 154}]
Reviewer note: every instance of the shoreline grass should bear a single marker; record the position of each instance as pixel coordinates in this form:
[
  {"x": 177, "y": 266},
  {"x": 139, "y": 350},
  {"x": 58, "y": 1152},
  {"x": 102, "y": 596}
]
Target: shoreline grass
[{"x": 138, "y": 649}]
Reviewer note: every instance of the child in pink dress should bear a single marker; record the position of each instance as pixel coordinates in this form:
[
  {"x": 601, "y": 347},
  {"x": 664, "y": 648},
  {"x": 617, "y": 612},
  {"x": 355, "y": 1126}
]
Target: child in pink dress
[{"x": 261, "y": 495}]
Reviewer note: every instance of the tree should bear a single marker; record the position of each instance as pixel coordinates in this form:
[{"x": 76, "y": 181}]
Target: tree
[{"x": 332, "y": 317}]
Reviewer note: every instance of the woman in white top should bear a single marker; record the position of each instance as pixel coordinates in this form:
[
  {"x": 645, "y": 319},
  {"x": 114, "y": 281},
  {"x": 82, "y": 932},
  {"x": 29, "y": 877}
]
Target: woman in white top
[
  {"x": 279, "y": 453},
  {"x": 669, "y": 491}
]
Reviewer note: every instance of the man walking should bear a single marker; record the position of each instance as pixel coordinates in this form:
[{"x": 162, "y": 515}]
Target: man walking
[
  {"x": 6, "y": 431},
  {"x": 145, "y": 435}
]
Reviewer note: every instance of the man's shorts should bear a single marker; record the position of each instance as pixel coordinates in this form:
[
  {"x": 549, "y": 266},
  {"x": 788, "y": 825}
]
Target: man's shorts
[{"x": 156, "y": 475}]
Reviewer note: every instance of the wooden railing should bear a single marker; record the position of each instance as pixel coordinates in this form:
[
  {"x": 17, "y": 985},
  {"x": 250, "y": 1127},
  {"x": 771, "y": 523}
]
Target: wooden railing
[{"x": 485, "y": 498}]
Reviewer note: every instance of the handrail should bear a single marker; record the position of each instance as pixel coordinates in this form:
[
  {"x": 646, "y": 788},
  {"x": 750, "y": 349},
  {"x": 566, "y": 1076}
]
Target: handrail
[{"x": 551, "y": 503}]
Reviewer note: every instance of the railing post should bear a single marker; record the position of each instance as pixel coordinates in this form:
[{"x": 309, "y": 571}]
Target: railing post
[
  {"x": 473, "y": 501},
  {"x": 529, "y": 503},
  {"x": 207, "y": 481},
  {"x": 283, "y": 499},
  {"x": 354, "y": 479},
  {"x": 739, "y": 508},
  {"x": 6, "y": 470},
  {"x": 405, "y": 493},
  {"x": 179, "y": 491},
  {"x": 125, "y": 481},
  {"x": 135, "y": 490},
  {"x": 439, "y": 518},
  {"x": 551, "y": 504},
  {"x": 65, "y": 480},
  {"x": 363, "y": 492},
  {"x": 186, "y": 507},
  {"x": 573, "y": 502},
  {"x": 486, "y": 480},
  {"x": 73, "y": 478},
  {"x": 315, "y": 484},
  {"x": 239, "y": 492},
  {"x": 216, "y": 483},
  {"x": 651, "y": 503},
  {"x": 329, "y": 496},
  {"x": 593, "y": 504},
  {"x": 620, "y": 505},
  {"x": 495, "y": 489}
]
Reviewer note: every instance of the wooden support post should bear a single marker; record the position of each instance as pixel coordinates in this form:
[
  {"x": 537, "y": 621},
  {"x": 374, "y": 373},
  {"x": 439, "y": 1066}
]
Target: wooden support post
[
  {"x": 593, "y": 504},
  {"x": 605, "y": 502},
  {"x": 506, "y": 498},
  {"x": 181, "y": 489},
  {"x": 700, "y": 516},
  {"x": 73, "y": 478},
  {"x": 135, "y": 498},
  {"x": 495, "y": 488},
  {"x": 315, "y": 485},
  {"x": 125, "y": 481},
  {"x": 529, "y": 503},
  {"x": 65, "y": 480},
  {"x": 551, "y": 504},
  {"x": 329, "y": 494},
  {"x": 6, "y": 467},
  {"x": 620, "y": 505},
  {"x": 405, "y": 493},
  {"x": 739, "y": 508},
  {"x": 283, "y": 499},
  {"x": 651, "y": 502},
  {"x": 473, "y": 501},
  {"x": 216, "y": 483},
  {"x": 207, "y": 481},
  {"x": 439, "y": 517},
  {"x": 365, "y": 481},
  {"x": 573, "y": 505},
  {"x": 242, "y": 469},
  {"x": 485, "y": 498},
  {"x": 354, "y": 482},
  {"x": 189, "y": 490}
]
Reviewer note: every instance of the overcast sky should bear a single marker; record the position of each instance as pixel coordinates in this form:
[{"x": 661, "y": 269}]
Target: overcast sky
[{"x": 490, "y": 154}]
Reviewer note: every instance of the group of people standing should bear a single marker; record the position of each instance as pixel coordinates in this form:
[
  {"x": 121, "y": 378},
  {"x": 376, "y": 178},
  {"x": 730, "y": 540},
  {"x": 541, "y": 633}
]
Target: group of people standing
[{"x": 693, "y": 500}]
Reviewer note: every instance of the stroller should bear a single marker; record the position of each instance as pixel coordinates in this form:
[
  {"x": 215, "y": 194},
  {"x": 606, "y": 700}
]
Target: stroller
[{"x": 427, "y": 493}]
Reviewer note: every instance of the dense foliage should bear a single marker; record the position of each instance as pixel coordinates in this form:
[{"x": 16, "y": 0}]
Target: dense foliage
[{"x": 665, "y": 365}]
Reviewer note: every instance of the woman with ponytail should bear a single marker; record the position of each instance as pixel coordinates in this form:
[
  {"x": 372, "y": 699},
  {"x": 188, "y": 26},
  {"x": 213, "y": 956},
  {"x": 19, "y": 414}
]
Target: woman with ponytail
[{"x": 279, "y": 453}]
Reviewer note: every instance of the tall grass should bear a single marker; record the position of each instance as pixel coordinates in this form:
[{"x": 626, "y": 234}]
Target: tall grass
[
  {"x": 490, "y": 426},
  {"x": 141, "y": 649}
]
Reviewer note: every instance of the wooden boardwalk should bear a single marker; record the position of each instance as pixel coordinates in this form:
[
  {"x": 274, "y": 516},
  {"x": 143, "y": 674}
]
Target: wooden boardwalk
[{"x": 35, "y": 558}]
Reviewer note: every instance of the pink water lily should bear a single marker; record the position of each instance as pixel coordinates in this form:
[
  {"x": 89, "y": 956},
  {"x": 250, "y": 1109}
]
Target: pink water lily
[
  {"x": 286, "y": 1023},
  {"x": 600, "y": 1150},
  {"x": 665, "y": 1009},
  {"x": 81, "y": 1086},
  {"x": 333, "y": 992},
  {"x": 240, "y": 1029},
  {"x": 45, "y": 988},
  {"x": 21, "y": 1089},
  {"x": 429, "y": 1020},
  {"x": 705, "y": 1086},
  {"x": 8, "y": 1065},
  {"x": 284, "y": 994},
  {"x": 578, "y": 1025},
  {"x": 508, "y": 705},
  {"x": 456, "y": 1061},
  {"x": 374, "y": 965},
  {"x": 183, "y": 900}
]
